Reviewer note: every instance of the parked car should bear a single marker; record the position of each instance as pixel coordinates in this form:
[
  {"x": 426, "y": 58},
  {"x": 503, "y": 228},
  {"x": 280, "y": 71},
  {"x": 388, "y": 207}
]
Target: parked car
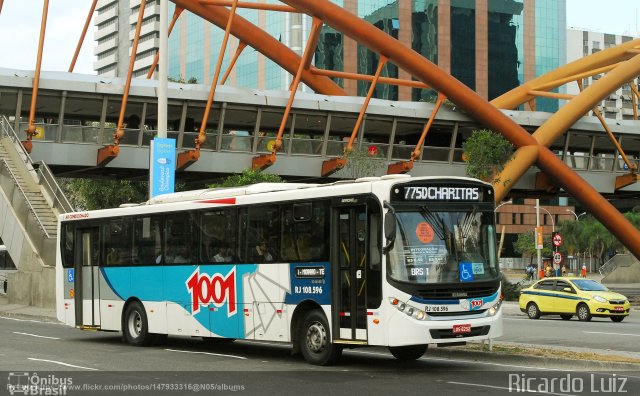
[{"x": 568, "y": 296}]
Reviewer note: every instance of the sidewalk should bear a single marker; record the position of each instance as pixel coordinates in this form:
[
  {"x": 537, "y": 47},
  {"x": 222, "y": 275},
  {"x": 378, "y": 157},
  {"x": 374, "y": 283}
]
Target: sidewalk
[{"x": 6, "y": 309}]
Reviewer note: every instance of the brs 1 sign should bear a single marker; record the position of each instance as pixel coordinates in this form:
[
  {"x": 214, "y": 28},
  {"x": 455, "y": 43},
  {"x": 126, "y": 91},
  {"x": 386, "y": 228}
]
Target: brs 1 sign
[{"x": 214, "y": 289}]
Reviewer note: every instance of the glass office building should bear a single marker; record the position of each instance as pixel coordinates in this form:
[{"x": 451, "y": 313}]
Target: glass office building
[{"x": 491, "y": 46}]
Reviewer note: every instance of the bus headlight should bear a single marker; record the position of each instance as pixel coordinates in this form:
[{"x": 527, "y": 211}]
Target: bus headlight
[
  {"x": 408, "y": 309},
  {"x": 495, "y": 308}
]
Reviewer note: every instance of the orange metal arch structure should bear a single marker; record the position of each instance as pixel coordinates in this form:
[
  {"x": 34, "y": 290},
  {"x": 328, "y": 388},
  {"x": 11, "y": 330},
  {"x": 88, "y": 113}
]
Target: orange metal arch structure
[
  {"x": 621, "y": 65},
  {"x": 420, "y": 68}
]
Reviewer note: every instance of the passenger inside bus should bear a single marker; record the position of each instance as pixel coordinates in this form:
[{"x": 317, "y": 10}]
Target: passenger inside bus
[
  {"x": 224, "y": 255},
  {"x": 261, "y": 253}
]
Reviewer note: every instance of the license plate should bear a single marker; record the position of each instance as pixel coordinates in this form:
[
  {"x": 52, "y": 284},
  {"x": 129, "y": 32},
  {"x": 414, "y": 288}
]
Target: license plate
[
  {"x": 461, "y": 328},
  {"x": 618, "y": 309}
]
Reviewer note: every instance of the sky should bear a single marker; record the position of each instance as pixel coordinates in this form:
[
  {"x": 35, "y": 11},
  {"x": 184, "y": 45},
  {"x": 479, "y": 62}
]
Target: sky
[{"x": 20, "y": 29}]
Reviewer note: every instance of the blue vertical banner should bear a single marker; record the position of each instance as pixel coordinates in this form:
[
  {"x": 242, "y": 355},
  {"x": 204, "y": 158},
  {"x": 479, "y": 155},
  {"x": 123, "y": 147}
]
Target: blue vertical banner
[{"x": 162, "y": 166}]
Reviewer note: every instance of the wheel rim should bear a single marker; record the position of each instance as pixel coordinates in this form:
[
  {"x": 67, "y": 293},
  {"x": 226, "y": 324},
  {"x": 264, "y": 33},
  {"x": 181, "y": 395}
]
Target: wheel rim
[
  {"x": 316, "y": 337},
  {"x": 582, "y": 312},
  {"x": 135, "y": 324},
  {"x": 532, "y": 310}
]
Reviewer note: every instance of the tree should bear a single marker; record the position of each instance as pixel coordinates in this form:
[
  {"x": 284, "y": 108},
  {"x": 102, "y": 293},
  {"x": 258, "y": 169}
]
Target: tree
[
  {"x": 486, "y": 153},
  {"x": 91, "y": 194},
  {"x": 363, "y": 162},
  {"x": 526, "y": 245},
  {"x": 247, "y": 177}
]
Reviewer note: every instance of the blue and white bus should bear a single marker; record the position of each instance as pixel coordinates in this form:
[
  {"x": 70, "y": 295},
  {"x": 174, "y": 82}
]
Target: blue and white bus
[{"x": 394, "y": 261}]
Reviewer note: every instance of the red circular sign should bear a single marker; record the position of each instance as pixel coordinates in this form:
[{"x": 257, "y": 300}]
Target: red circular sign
[
  {"x": 557, "y": 258},
  {"x": 373, "y": 151},
  {"x": 557, "y": 240},
  {"x": 424, "y": 232}
]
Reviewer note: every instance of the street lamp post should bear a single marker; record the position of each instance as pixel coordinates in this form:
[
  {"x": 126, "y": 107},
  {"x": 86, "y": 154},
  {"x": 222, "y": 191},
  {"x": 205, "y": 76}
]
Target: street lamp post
[
  {"x": 576, "y": 215},
  {"x": 503, "y": 227},
  {"x": 553, "y": 223},
  {"x": 577, "y": 221}
]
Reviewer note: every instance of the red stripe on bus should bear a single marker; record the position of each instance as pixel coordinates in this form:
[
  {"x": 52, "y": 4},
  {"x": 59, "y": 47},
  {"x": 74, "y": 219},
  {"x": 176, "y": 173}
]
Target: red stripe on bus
[
  {"x": 227, "y": 201},
  {"x": 370, "y": 313}
]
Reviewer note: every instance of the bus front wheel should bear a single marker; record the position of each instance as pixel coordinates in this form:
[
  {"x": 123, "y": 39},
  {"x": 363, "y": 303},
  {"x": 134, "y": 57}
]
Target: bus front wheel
[
  {"x": 408, "y": 352},
  {"x": 315, "y": 340},
  {"x": 135, "y": 326}
]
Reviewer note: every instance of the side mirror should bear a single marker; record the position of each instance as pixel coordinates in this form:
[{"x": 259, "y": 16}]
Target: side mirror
[
  {"x": 567, "y": 289},
  {"x": 389, "y": 230}
]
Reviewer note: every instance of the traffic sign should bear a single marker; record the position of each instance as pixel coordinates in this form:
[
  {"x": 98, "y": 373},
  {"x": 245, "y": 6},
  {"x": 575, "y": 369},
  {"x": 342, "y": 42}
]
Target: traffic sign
[
  {"x": 557, "y": 239},
  {"x": 557, "y": 258}
]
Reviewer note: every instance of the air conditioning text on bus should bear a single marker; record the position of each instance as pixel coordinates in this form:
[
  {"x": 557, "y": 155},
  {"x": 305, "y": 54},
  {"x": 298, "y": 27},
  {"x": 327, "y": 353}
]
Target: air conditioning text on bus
[{"x": 215, "y": 289}]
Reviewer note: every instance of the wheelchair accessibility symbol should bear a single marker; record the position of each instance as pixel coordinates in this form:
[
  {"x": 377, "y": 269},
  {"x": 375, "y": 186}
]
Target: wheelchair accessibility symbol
[{"x": 466, "y": 271}]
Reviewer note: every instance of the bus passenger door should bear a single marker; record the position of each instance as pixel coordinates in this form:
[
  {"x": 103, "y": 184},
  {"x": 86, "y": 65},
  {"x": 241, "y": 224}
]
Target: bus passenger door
[
  {"x": 350, "y": 306},
  {"x": 87, "y": 279}
]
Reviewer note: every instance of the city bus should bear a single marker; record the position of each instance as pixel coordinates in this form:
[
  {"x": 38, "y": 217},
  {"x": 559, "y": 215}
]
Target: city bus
[{"x": 394, "y": 261}]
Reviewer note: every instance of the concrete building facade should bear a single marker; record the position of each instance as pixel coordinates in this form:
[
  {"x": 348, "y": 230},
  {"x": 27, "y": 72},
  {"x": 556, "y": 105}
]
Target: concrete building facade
[{"x": 116, "y": 24}]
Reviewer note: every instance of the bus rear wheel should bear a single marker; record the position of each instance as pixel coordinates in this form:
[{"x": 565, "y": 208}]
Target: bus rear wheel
[
  {"x": 408, "y": 352},
  {"x": 315, "y": 340},
  {"x": 135, "y": 326}
]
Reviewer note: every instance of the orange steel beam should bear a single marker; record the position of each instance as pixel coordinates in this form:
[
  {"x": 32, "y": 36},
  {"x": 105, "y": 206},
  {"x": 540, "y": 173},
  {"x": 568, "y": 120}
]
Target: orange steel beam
[
  {"x": 406, "y": 166},
  {"x": 410, "y": 61},
  {"x": 264, "y": 161},
  {"x": 254, "y": 6},
  {"x": 190, "y": 156},
  {"x": 1, "y": 1},
  {"x": 108, "y": 153},
  {"x": 82, "y": 35},
  {"x": 634, "y": 99},
  {"x": 554, "y": 95},
  {"x": 156, "y": 59},
  {"x": 602, "y": 59},
  {"x": 31, "y": 129},
  {"x": 241, "y": 47},
  {"x": 333, "y": 165},
  {"x": 632, "y": 167},
  {"x": 366, "y": 77},
  {"x": 579, "y": 76},
  {"x": 263, "y": 43}
]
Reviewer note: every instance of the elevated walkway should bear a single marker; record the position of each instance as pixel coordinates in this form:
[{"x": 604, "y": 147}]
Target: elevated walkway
[
  {"x": 30, "y": 202},
  {"x": 621, "y": 269}
]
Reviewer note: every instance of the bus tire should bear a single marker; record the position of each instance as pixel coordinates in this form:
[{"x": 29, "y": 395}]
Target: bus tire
[
  {"x": 135, "y": 326},
  {"x": 408, "y": 352},
  {"x": 314, "y": 340}
]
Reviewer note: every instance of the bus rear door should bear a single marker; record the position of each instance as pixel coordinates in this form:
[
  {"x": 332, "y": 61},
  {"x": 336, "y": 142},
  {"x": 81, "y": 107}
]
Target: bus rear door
[
  {"x": 87, "y": 279},
  {"x": 350, "y": 289}
]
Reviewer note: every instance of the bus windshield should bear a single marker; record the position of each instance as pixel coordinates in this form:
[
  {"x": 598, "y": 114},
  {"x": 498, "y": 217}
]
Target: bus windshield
[{"x": 443, "y": 247}]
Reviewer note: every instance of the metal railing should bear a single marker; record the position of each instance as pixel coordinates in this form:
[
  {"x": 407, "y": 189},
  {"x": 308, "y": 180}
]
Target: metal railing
[
  {"x": 26, "y": 198},
  {"x": 48, "y": 181},
  {"x": 45, "y": 177}
]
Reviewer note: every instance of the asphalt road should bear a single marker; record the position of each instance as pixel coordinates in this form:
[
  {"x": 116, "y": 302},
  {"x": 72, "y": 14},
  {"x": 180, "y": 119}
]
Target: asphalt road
[
  {"x": 552, "y": 331},
  {"x": 96, "y": 363}
]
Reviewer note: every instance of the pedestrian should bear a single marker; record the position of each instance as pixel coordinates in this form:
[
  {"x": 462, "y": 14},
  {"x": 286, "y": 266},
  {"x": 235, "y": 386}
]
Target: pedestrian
[
  {"x": 583, "y": 272},
  {"x": 548, "y": 271},
  {"x": 564, "y": 270}
]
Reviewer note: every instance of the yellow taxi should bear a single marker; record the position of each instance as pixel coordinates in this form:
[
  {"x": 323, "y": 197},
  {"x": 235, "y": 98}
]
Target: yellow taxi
[{"x": 568, "y": 296}]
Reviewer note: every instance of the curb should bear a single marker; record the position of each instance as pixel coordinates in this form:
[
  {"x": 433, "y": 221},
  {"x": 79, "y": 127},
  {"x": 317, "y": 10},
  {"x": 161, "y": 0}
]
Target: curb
[{"x": 532, "y": 362}]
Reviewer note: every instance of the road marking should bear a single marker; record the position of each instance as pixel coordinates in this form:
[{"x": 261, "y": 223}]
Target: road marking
[
  {"x": 466, "y": 361},
  {"x": 507, "y": 388},
  {"x": 63, "y": 364},
  {"x": 602, "y": 332},
  {"x": 29, "y": 320},
  {"x": 35, "y": 335},
  {"x": 206, "y": 353}
]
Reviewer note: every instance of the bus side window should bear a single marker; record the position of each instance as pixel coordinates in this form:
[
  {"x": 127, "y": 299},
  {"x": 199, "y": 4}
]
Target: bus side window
[
  {"x": 118, "y": 241},
  {"x": 374, "y": 269},
  {"x": 68, "y": 231}
]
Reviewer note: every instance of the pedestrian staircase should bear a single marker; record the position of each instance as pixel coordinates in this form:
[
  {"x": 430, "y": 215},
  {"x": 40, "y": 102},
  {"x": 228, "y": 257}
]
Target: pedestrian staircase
[{"x": 30, "y": 202}]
